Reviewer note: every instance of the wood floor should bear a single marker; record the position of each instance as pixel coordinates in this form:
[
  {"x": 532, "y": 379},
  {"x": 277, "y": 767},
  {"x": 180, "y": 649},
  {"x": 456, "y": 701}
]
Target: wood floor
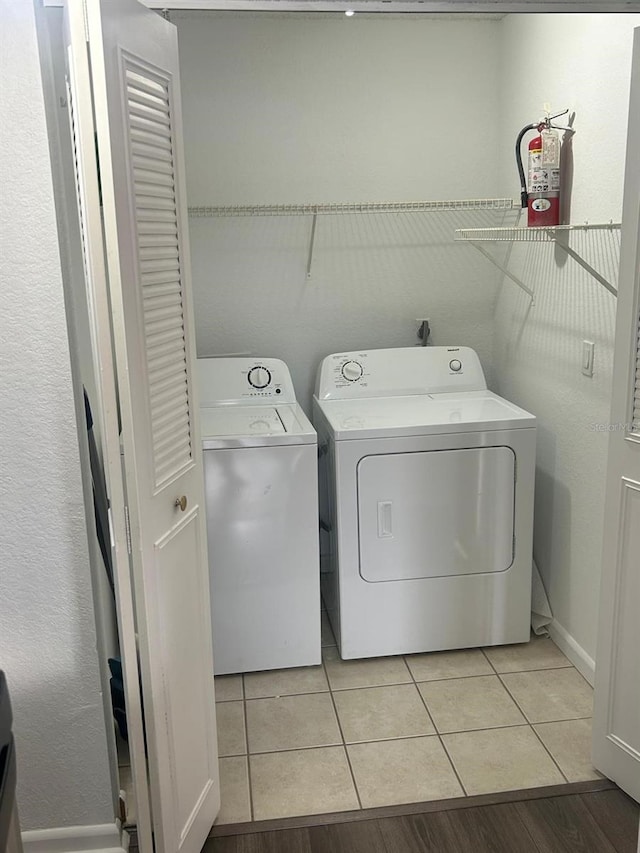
[{"x": 596, "y": 822}]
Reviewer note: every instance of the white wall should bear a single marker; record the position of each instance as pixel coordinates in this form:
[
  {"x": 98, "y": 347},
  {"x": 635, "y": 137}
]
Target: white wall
[
  {"x": 318, "y": 108},
  {"x": 583, "y": 62},
  {"x": 47, "y": 634}
]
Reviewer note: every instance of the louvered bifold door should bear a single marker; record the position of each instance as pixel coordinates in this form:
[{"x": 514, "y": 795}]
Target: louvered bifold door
[
  {"x": 105, "y": 408},
  {"x": 153, "y": 173},
  {"x": 138, "y": 117}
]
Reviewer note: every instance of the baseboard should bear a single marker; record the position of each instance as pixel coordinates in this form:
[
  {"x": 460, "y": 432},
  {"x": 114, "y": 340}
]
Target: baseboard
[
  {"x": 585, "y": 664},
  {"x": 103, "y": 838}
]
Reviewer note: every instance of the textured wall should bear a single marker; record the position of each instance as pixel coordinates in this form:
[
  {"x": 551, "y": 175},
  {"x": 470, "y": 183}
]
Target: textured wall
[
  {"x": 538, "y": 351},
  {"x": 318, "y": 108},
  {"x": 47, "y": 633}
]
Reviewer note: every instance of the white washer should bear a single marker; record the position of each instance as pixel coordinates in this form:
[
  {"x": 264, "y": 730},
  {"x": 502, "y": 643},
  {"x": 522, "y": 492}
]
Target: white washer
[
  {"x": 426, "y": 502},
  {"x": 260, "y": 468}
]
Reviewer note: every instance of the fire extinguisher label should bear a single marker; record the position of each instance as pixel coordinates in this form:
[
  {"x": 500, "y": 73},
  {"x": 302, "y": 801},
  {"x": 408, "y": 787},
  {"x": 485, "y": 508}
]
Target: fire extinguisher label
[
  {"x": 540, "y": 204},
  {"x": 550, "y": 149},
  {"x": 544, "y": 180}
]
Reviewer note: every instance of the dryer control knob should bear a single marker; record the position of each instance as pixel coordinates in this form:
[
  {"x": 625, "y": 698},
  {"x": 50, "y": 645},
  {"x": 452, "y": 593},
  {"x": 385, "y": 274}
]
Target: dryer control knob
[
  {"x": 259, "y": 377},
  {"x": 352, "y": 371},
  {"x": 455, "y": 365}
]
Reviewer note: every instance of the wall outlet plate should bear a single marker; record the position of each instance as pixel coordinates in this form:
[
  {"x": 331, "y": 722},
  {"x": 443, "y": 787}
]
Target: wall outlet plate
[
  {"x": 423, "y": 323},
  {"x": 588, "y": 352}
]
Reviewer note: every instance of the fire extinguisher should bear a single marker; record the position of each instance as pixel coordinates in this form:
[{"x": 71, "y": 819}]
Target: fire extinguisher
[{"x": 540, "y": 194}]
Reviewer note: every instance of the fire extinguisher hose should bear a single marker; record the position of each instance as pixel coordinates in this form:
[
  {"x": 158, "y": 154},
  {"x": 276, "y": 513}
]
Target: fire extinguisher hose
[{"x": 524, "y": 195}]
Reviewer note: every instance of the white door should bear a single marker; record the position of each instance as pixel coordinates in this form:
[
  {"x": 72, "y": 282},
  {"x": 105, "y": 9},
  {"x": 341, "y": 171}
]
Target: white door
[
  {"x": 136, "y": 107},
  {"x": 616, "y": 738},
  {"x": 436, "y": 513}
]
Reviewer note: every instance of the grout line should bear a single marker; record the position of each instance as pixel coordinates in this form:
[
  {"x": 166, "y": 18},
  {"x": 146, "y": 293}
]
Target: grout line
[
  {"x": 485, "y": 728},
  {"x": 252, "y": 815},
  {"x": 565, "y": 720},
  {"x": 513, "y": 698},
  {"x": 456, "y": 677},
  {"x": 455, "y": 769},
  {"x": 421, "y": 697},
  {"x": 486, "y": 657},
  {"x": 435, "y": 728},
  {"x": 251, "y": 806},
  {"x": 368, "y": 686},
  {"x": 344, "y": 745},
  {"x": 549, "y": 753},
  {"x": 246, "y": 737},
  {"x": 270, "y": 696},
  {"x": 348, "y": 743},
  {"x": 534, "y": 669}
]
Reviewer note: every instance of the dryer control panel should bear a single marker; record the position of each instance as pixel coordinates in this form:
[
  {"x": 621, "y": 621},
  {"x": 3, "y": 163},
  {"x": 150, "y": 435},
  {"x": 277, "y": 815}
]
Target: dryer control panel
[
  {"x": 244, "y": 381},
  {"x": 404, "y": 371}
]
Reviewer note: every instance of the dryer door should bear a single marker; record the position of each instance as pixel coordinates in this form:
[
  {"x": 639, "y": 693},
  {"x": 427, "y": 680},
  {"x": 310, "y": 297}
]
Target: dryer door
[{"x": 436, "y": 513}]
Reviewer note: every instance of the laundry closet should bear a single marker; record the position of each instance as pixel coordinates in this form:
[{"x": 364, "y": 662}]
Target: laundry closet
[
  {"x": 288, "y": 115},
  {"x": 349, "y": 177},
  {"x": 308, "y": 110}
]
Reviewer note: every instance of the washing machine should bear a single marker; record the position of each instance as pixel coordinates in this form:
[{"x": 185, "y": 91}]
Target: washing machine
[
  {"x": 260, "y": 471},
  {"x": 426, "y": 502}
]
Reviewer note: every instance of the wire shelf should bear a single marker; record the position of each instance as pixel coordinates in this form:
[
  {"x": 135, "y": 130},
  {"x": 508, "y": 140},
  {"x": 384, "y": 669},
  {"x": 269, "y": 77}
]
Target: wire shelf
[
  {"x": 359, "y": 207},
  {"x": 551, "y": 234},
  {"x": 529, "y": 235}
]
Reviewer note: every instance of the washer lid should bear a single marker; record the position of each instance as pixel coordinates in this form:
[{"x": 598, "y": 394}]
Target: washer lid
[
  {"x": 428, "y": 414},
  {"x": 254, "y": 426}
]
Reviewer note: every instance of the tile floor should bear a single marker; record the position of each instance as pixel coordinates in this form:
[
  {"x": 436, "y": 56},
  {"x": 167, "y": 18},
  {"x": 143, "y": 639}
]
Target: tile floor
[{"x": 357, "y": 734}]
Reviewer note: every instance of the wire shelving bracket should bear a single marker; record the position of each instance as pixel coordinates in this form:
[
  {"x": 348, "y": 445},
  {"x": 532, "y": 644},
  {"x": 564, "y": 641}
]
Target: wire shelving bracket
[{"x": 551, "y": 234}]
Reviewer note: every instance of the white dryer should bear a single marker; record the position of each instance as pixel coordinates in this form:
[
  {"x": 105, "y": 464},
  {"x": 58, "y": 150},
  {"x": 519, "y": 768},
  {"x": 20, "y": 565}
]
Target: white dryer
[
  {"x": 261, "y": 486},
  {"x": 426, "y": 502}
]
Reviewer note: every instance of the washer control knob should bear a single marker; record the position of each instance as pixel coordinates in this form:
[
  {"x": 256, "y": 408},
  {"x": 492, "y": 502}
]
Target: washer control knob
[
  {"x": 352, "y": 371},
  {"x": 259, "y": 377},
  {"x": 455, "y": 365}
]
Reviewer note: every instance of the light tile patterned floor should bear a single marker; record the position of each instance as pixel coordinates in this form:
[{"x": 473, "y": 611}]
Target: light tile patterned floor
[{"x": 358, "y": 734}]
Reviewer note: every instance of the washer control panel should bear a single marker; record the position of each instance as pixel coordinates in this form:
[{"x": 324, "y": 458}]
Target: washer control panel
[
  {"x": 352, "y": 371},
  {"x": 259, "y": 377},
  {"x": 242, "y": 380},
  {"x": 404, "y": 371}
]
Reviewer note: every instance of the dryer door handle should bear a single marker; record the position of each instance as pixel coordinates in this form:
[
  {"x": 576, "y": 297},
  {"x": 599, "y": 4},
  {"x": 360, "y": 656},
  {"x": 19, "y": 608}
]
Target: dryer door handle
[{"x": 385, "y": 526}]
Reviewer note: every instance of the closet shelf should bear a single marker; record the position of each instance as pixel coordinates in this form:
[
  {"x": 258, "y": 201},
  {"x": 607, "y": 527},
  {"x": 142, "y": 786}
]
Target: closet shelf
[
  {"x": 550, "y": 234},
  {"x": 350, "y": 207},
  {"x": 529, "y": 235},
  {"x": 329, "y": 209}
]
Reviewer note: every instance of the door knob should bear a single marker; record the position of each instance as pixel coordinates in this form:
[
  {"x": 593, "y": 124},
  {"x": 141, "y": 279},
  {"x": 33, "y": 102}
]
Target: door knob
[{"x": 181, "y": 502}]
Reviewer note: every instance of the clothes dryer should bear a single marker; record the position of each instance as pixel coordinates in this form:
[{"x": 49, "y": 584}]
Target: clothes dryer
[
  {"x": 260, "y": 467},
  {"x": 426, "y": 504}
]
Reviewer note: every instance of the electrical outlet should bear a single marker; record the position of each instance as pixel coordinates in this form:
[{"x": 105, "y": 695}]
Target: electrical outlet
[
  {"x": 422, "y": 324},
  {"x": 588, "y": 348}
]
